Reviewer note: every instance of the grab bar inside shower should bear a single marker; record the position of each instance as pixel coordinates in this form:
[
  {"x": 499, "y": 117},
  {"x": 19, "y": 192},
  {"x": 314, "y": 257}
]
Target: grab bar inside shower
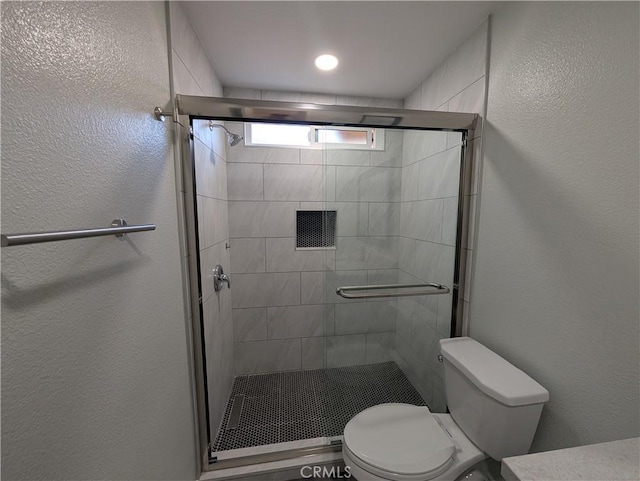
[
  {"x": 118, "y": 228},
  {"x": 438, "y": 289}
]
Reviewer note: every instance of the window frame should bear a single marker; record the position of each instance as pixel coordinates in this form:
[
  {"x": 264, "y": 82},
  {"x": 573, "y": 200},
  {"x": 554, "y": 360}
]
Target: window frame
[{"x": 375, "y": 138}]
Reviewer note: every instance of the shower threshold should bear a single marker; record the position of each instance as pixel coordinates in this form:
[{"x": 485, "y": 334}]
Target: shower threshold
[{"x": 281, "y": 407}]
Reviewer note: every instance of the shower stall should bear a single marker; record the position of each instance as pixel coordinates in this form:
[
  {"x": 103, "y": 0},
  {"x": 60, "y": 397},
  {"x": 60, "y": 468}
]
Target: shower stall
[{"x": 344, "y": 264}]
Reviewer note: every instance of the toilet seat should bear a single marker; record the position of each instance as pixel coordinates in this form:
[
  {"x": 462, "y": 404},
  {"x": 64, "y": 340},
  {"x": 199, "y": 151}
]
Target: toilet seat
[{"x": 399, "y": 441}]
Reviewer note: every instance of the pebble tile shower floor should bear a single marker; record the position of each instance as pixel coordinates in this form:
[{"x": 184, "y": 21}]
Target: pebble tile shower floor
[{"x": 295, "y": 405}]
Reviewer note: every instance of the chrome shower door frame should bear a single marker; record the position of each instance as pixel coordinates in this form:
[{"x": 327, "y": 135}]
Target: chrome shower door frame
[{"x": 189, "y": 108}]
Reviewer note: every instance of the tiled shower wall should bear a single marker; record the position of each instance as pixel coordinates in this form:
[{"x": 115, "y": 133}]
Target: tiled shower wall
[
  {"x": 193, "y": 75},
  {"x": 285, "y": 311},
  {"x": 429, "y": 193}
]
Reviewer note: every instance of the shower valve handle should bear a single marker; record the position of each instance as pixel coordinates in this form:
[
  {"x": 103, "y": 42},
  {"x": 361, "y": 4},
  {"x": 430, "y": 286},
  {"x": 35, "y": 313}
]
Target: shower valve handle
[{"x": 219, "y": 277}]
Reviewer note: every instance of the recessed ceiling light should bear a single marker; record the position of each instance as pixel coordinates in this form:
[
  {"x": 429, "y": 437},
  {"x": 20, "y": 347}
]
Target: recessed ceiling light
[{"x": 327, "y": 62}]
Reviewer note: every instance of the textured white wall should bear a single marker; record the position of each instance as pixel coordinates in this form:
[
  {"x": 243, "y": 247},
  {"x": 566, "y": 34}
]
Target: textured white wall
[
  {"x": 193, "y": 75},
  {"x": 556, "y": 280},
  {"x": 95, "y": 376}
]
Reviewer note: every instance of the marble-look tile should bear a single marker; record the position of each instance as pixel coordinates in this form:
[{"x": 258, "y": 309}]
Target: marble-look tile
[
  {"x": 416, "y": 370},
  {"x": 384, "y": 219},
  {"x": 313, "y": 98},
  {"x": 444, "y": 314},
  {"x": 471, "y": 100},
  {"x": 239, "y": 93},
  {"x": 295, "y": 321},
  {"x": 404, "y": 323},
  {"x": 413, "y": 101},
  {"x": 380, "y": 347},
  {"x": 211, "y": 173},
  {"x": 382, "y": 276},
  {"x": 462, "y": 68},
  {"x": 312, "y": 353},
  {"x": 209, "y": 258},
  {"x": 267, "y": 356},
  {"x": 282, "y": 256},
  {"x": 202, "y": 132},
  {"x": 422, "y": 220},
  {"x": 352, "y": 218},
  {"x": 245, "y": 181},
  {"x": 468, "y": 62},
  {"x": 424, "y": 341},
  {"x": 250, "y": 324},
  {"x": 186, "y": 44},
  {"x": 434, "y": 92},
  {"x": 418, "y": 145},
  {"x": 262, "y": 155},
  {"x": 369, "y": 102},
  {"x": 219, "y": 357},
  {"x": 200, "y": 219},
  {"x": 214, "y": 223},
  {"x": 262, "y": 219},
  {"x": 347, "y": 157},
  {"x": 312, "y": 156},
  {"x": 270, "y": 289},
  {"x": 293, "y": 182},
  {"x": 367, "y": 253},
  {"x": 410, "y": 182},
  {"x": 439, "y": 175},
  {"x": 346, "y": 350},
  {"x": 330, "y": 183},
  {"x": 218, "y": 139},
  {"x": 435, "y": 262},
  {"x": 365, "y": 317},
  {"x": 391, "y": 156},
  {"x": 407, "y": 255},
  {"x": 421, "y": 307},
  {"x": 183, "y": 38},
  {"x": 449, "y": 220},
  {"x": 439, "y": 397},
  {"x": 183, "y": 81},
  {"x": 248, "y": 255},
  {"x": 368, "y": 184},
  {"x": 337, "y": 279},
  {"x": 312, "y": 287}
]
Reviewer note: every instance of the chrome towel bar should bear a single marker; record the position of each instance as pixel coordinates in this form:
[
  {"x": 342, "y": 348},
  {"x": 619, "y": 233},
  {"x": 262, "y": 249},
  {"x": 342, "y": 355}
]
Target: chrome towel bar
[
  {"x": 439, "y": 289},
  {"x": 118, "y": 228}
]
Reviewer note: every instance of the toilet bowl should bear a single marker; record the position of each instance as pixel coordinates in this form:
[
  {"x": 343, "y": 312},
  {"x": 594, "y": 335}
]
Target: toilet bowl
[
  {"x": 494, "y": 407},
  {"x": 403, "y": 442}
]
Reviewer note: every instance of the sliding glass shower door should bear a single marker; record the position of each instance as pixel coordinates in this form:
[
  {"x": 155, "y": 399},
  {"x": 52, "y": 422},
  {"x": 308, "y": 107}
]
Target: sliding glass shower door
[
  {"x": 396, "y": 206},
  {"x": 342, "y": 256}
]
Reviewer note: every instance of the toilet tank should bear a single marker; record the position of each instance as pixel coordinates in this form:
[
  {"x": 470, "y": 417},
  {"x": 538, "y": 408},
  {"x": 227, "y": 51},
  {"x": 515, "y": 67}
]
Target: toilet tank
[{"x": 496, "y": 404}]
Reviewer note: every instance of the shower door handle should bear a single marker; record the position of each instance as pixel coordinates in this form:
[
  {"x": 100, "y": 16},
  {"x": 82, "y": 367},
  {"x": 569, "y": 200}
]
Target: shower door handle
[{"x": 219, "y": 277}]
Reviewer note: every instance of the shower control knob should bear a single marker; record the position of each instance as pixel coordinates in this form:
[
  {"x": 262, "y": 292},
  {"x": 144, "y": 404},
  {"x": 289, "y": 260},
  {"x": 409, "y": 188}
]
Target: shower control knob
[{"x": 219, "y": 277}]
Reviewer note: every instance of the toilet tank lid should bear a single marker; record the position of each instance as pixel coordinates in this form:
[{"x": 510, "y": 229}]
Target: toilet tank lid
[{"x": 492, "y": 374}]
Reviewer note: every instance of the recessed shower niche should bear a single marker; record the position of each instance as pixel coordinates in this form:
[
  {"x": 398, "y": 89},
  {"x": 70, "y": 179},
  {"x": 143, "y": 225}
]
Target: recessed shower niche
[{"x": 316, "y": 229}]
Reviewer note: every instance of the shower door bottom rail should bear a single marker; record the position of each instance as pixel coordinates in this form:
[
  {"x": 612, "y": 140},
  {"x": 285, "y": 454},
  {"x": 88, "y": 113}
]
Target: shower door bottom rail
[
  {"x": 307, "y": 452},
  {"x": 437, "y": 289}
]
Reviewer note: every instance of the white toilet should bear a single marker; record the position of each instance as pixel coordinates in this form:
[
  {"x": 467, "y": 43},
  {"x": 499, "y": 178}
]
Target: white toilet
[{"x": 494, "y": 408}]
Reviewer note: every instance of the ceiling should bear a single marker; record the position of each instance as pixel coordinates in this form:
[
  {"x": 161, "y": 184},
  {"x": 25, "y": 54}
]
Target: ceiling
[{"x": 385, "y": 48}]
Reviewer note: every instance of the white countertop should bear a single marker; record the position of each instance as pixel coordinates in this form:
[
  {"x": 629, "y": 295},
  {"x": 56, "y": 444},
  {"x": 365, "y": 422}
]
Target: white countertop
[{"x": 612, "y": 461}]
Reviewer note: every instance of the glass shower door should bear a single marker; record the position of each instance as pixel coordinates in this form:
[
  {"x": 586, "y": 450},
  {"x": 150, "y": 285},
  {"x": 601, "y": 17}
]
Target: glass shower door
[{"x": 397, "y": 211}]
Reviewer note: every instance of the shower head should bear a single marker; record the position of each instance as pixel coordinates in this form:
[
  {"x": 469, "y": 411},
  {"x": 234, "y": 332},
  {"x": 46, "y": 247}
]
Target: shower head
[{"x": 232, "y": 139}]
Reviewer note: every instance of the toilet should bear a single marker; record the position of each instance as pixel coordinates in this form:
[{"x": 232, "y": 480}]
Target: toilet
[{"x": 494, "y": 406}]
